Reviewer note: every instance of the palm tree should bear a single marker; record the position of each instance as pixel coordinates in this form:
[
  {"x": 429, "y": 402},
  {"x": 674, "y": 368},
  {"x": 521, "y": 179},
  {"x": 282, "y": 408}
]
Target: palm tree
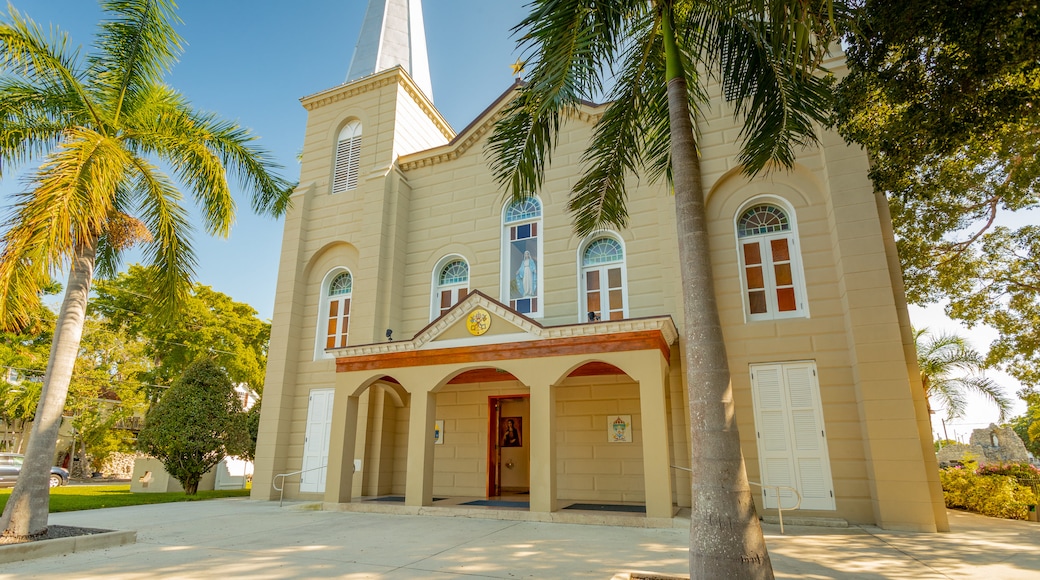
[
  {"x": 767, "y": 52},
  {"x": 950, "y": 369},
  {"x": 97, "y": 125}
]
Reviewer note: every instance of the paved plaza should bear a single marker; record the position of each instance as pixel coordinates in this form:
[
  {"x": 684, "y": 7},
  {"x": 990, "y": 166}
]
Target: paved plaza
[{"x": 241, "y": 538}]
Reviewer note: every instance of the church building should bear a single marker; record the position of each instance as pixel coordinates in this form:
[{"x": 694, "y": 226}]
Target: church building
[{"x": 435, "y": 345}]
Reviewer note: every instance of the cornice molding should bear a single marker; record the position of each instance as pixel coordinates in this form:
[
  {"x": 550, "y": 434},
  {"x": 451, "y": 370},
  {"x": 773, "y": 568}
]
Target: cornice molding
[
  {"x": 463, "y": 142},
  {"x": 426, "y": 338},
  {"x": 396, "y": 75}
]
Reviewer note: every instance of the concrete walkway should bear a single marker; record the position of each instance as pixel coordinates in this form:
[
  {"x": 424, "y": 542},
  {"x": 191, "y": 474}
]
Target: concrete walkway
[{"x": 243, "y": 538}]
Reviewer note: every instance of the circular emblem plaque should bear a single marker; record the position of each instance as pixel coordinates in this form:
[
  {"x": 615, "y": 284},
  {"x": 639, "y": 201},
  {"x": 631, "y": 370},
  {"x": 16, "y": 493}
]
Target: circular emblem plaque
[{"x": 478, "y": 322}]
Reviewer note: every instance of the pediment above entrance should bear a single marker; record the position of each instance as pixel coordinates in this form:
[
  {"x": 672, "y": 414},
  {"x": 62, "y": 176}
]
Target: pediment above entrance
[{"x": 480, "y": 321}]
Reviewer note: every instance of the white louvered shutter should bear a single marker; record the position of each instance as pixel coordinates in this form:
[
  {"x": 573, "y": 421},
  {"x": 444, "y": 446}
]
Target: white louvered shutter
[
  {"x": 316, "y": 446},
  {"x": 348, "y": 152},
  {"x": 791, "y": 440}
]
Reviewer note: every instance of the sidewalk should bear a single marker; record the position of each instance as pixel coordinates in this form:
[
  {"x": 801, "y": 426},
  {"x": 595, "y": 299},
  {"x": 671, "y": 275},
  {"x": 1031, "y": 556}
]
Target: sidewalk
[{"x": 243, "y": 538}]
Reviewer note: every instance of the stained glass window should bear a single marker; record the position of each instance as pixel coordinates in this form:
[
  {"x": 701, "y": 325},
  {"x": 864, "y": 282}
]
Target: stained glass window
[
  {"x": 602, "y": 251},
  {"x": 523, "y": 210},
  {"x": 762, "y": 219},
  {"x": 522, "y": 256},
  {"x": 455, "y": 272},
  {"x": 341, "y": 284},
  {"x": 770, "y": 263},
  {"x": 603, "y": 280}
]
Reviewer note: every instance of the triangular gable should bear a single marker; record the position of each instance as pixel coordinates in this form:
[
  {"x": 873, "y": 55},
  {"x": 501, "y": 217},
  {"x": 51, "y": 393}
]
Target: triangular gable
[{"x": 477, "y": 319}]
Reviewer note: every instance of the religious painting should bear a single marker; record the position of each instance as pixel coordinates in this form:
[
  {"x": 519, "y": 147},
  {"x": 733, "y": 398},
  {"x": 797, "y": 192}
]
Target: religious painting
[
  {"x": 438, "y": 432},
  {"x": 619, "y": 428},
  {"x": 510, "y": 431}
]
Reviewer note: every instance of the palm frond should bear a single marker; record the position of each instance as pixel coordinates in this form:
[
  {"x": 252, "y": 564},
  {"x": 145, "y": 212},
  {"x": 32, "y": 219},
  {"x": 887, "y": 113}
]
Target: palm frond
[
  {"x": 598, "y": 199},
  {"x": 170, "y": 253},
  {"x": 45, "y": 63},
  {"x": 765, "y": 58},
  {"x": 68, "y": 203},
  {"x": 950, "y": 368},
  {"x": 136, "y": 47},
  {"x": 568, "y": 45},
  {"x": 202, "y": 149}
]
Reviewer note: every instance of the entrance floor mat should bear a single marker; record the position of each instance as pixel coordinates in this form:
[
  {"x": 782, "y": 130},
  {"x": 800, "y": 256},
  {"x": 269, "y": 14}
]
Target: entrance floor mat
[
  {"x": 500, "y": 503},
  {"x": 606, "y": 507},
  {"x": 396, "y": 498}
]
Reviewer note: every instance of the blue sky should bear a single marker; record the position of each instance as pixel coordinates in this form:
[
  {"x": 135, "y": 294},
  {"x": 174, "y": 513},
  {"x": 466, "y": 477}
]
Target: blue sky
[{"x": 251, "y": 61}]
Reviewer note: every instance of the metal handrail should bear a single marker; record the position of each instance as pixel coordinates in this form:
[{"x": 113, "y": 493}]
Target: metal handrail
[
  {"x": 281, "y": 490},
  {"x": 779, "y": 507}
]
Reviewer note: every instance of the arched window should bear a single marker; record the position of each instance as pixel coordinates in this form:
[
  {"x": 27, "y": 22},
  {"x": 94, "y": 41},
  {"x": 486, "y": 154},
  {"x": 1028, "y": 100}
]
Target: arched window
[
  {"x": 770, "y": 263},
  {"x": 521, "y": 256},
  {"x": 337, "y": 310},
  {"x": 348, "y": 150},
  {"x": 604, "y": 295},
  {"x": 451, "y": 285}
]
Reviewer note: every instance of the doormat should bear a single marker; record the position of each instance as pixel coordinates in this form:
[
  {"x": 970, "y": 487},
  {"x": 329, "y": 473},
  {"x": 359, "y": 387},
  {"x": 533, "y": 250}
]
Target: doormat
[
  {"x": 396, "y": 498},
  {"x": 606, "y": 507},
  {"x": 500, "y": 503}
]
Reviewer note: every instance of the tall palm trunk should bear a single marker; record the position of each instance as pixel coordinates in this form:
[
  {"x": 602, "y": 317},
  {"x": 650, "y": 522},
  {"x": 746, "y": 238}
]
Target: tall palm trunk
[
  {"x": 726, "y": 538},
  {"x": 26, "y": 513}
]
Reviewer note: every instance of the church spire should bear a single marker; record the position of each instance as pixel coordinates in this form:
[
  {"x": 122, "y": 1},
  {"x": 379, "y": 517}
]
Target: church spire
[{"x": 392, "y": 34}]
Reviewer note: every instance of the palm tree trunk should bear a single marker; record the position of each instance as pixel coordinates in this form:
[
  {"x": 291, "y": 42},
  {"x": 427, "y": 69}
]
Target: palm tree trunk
[
  {"x": 25, "y": 515},
  {"x": 726, "y": 538}
]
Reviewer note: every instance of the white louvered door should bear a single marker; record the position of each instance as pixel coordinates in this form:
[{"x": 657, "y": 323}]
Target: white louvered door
[
  {"x": 316, "y": 444},
  {"x": 792, "y": 443}
]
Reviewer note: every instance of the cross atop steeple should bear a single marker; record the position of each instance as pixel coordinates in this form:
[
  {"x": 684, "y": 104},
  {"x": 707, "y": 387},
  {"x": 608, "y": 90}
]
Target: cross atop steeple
[{"x": 392, "y": 34}]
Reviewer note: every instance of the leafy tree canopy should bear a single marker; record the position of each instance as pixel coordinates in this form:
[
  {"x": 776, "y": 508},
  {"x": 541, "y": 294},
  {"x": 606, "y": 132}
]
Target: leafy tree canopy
[
  {"x": 192, "y": 425},
  {"x": 210, "y": 324},
  {"x": 1027, "y": 425},
  {"x": 946, "y": 98}
]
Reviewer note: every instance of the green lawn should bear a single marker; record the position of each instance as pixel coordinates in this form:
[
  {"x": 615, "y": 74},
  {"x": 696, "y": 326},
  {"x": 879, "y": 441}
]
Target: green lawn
[{"x": 90, "y": 497}]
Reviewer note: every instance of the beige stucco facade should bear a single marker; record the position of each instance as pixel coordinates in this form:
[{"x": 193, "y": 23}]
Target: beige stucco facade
[{"x": 424, "y": 193}]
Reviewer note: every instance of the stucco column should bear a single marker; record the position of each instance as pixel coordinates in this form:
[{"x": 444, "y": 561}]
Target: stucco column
[
  {"x": 657, "y": 475},
  {"x": 419, "y": 479},
  {"x": 543, "y": 448},
  {"x": 339, "y": 474}
]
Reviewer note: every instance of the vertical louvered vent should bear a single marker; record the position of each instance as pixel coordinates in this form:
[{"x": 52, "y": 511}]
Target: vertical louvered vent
[{"x": 348, "y": 153}]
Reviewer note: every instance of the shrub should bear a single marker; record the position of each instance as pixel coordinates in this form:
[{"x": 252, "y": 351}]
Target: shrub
[
  {"x": 1020, "y": 471},
  {"x": 190, "y": 428},
  {"x": 991, "y": 494}
]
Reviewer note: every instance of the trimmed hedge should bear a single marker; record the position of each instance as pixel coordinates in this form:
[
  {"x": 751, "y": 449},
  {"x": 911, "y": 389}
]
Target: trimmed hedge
[{"x": 990, "y": 490}]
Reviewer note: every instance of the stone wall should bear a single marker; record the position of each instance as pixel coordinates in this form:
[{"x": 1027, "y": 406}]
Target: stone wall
[{"x": 990, "y": 445}]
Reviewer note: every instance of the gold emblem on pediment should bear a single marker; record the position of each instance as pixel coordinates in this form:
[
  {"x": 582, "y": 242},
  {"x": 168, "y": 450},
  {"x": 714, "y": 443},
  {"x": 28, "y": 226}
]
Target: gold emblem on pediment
[{"x": 478, "y": 322}]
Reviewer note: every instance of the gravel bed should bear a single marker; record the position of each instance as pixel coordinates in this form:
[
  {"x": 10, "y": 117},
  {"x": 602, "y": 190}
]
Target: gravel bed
[{"x": 54, "y": 532}]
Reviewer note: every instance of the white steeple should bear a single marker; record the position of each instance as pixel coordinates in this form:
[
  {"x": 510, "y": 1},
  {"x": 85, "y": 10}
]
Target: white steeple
[{"x": 393, "y": 34}]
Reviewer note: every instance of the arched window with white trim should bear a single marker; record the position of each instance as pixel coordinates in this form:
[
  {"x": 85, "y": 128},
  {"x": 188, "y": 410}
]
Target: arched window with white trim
[
  {"x": 521, "y": 256},
  {"x": 348, "y": 151},
  {"x": 770, "y": 263},
  {"x": 451, "y": 285},
  {"x": 603, "y": 285},
  {"x": 337, "y": 310}
]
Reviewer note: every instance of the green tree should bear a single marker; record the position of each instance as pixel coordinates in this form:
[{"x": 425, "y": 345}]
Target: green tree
[
  {"x": 107, "y": 390},
  {"x": 943, "y": 95},
  {"x": 1027, "y": 425},
  {"x": 950, "y": 369},
  {"x": 23, "y": 361},
  {"x": 96, "y": 125},
  {"x": 211, "y": 324},
  {"x": 193, "y": 424},
  {"x": 765, "y": 52}
]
